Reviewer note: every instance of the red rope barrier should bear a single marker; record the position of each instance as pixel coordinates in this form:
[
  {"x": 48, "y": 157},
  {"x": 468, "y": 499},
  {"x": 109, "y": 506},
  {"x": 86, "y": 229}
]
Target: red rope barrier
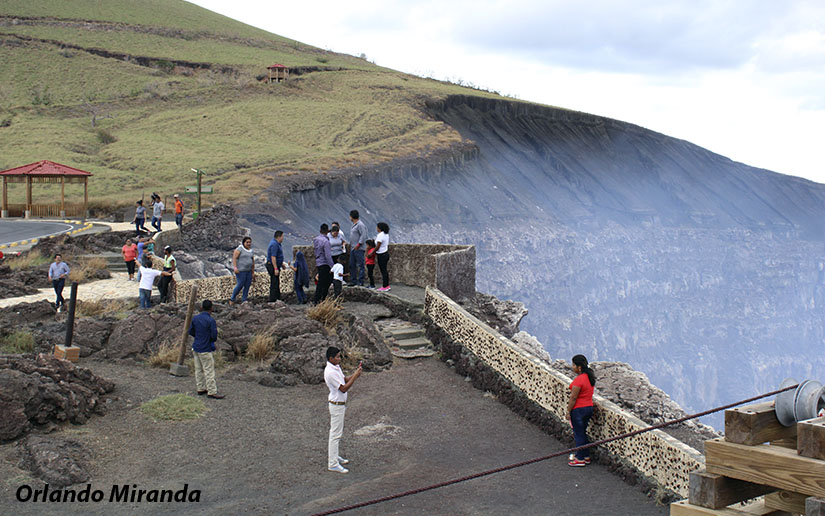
[{"x": 546, "y": 457}]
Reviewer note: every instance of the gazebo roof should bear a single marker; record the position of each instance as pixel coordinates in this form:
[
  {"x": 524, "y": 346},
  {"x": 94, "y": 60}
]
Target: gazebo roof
[
  {"x": 45, "y": 168},
  {"x": 277, "y": 66}
]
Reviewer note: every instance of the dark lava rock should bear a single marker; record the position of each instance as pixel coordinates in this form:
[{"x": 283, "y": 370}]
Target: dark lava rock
[
  {"x": 144, "y": 332},
  {"x": 22, "y": 282},
  {"x": 57, "y": 461},
  {"x": 503, "y": 316},
  {"x": 14, "y": 317},
  {"x": 303, "y": 356},
  {"x": 360, "y": 336},
  {"x": 216, "y": 229},
  {"x": 46, "y": 390},
  {"x": 108, "y": 241}
]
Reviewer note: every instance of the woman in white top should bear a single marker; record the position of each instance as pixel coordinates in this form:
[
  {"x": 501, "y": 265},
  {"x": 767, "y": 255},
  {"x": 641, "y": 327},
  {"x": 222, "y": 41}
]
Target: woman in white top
[
  {"x": 337, "y": 244},
  {"x": 382, "y": 255},
  {"x": 243, "y": 263}
]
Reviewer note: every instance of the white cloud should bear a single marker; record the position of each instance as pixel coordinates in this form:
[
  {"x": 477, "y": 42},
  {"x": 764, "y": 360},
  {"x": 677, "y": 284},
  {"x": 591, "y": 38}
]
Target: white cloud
[{"x": 744, "y": 79}]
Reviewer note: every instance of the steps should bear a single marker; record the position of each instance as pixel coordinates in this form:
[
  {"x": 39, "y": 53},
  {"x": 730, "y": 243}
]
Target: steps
[
  {"x": 114, "y": 261},
  {"x": 406, "y": 340}
]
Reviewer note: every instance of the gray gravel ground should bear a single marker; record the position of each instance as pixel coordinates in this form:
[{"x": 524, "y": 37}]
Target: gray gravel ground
[{"x": 263, "y": 451}]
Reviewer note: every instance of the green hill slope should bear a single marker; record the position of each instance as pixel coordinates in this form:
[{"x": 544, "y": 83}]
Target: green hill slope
[{"x": 138, "y": 92}]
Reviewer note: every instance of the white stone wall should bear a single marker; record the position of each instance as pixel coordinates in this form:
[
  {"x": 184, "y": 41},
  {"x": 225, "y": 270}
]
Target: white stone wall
[{"x": 655, "y": 454}]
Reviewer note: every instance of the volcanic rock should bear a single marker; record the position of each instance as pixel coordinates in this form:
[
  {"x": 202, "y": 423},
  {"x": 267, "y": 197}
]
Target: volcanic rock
[{"x": 57, "y": 461}]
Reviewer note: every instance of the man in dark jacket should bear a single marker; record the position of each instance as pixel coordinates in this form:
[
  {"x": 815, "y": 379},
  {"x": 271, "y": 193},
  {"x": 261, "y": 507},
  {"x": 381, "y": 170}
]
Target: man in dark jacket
[
  {"x": 274, "y": 264},
  {"x": 205, "y": 330}
]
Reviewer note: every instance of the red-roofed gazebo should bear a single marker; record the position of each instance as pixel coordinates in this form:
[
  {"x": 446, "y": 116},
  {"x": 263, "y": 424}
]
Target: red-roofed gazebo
[
  {"x": 45, "y": 172},
  {"x": 278, "y": 73}
]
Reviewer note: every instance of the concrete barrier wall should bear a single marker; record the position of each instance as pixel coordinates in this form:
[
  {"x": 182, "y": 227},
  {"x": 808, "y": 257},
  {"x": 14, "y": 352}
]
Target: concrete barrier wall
[
  {"x": 450, "y": 268},
  {"x": 654, "y": 454}
]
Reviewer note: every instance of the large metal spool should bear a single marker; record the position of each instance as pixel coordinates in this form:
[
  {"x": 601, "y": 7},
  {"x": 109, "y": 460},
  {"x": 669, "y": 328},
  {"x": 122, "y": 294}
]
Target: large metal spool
[{"x": 804, "y": 402}]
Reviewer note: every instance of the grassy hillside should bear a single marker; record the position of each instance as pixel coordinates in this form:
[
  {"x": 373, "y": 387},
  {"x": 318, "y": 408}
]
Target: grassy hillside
[{"x": 140, "y": 91}]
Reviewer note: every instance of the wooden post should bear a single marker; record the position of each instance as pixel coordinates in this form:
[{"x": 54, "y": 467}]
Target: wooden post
[
  {"x": 63, "y": 195},
  {"x": 5, "y": 195},
  {"x": 178, "y": 369},
  {"x": 29, "y": 193},
  {"x": 199, "y": 192},
  {"x": 715, "y": 491},
  {"x": 755, "y": 424},
  {"x": 70, "y": 320},
  {"x": 85, "y": 197},
  {"x": 811, "y": 439}
]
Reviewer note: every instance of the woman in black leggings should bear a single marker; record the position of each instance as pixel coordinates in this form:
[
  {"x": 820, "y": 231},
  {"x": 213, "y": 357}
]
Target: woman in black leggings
[{"x": 382, "y": 255}]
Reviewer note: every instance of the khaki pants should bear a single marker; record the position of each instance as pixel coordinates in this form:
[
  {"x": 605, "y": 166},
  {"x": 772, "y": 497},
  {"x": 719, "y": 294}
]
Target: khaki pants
[
  {"x": 205, "y": 372},
  {"x": 336, "y": 430}
]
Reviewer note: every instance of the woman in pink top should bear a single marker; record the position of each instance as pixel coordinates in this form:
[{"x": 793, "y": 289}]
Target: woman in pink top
[
  {"x": 129, "y": 252},
  {"x": 580, "y": 408}
]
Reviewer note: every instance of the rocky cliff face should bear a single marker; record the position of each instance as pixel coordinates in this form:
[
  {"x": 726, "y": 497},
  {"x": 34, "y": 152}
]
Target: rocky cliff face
[{"x": 624, "y": 244}]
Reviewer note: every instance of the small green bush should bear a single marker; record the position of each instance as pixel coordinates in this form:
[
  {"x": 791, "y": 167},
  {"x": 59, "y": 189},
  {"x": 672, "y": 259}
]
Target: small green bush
[
  {"x": 105, "y": 137},
  {"x": 17, "y": 342},
  {"x": 174, "y": 407}
]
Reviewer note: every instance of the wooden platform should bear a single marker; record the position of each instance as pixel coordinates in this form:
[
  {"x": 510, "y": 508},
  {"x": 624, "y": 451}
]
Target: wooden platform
[{"x": 760, "y": 468}]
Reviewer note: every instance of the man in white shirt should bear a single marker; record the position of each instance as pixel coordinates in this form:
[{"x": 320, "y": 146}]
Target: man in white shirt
[{"x": 338, "y": 386}]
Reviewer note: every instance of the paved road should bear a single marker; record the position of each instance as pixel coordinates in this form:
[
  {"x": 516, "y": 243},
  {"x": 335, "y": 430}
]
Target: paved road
[{"x": 17, "y": 230}]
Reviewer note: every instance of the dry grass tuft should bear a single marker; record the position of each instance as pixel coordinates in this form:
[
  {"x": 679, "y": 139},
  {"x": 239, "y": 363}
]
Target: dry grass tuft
[
  {"x": 27, "y": 260},
  {"x": 17, "y": 342},
  {"x": 119, "y": 308},
  {"x": 87, "y": 269},
  {"x": 166, "y": 354},
  {"x": 174, "y": 407},
  {"x": 260, "y": 346},
  {"x": 327, "y": 312}
]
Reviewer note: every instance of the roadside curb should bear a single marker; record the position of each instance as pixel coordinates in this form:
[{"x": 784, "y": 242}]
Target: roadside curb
[{"x": 86, "y": 226}]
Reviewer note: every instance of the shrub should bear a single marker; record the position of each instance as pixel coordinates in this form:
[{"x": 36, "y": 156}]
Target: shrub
[
  {"x": 327, "y": 312},
  {"x": 105, "y": 137},
  {"x": 174, "y": 407},
  {"x": 87, "y": 269},
  {"x": 118, "y": 308},
  {"x": 166, "y": 354},
  {"x": 260, "y": 346},
  {"x": 17, "y": 342},
  {"x": 322, "y": 59},
  {"x": 27, "y": 260}
]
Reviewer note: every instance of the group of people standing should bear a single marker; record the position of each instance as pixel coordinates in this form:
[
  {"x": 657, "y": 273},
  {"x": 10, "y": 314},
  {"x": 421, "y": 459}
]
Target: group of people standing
[
  {"x": 139, "y": 256},
  {"x": 330, "y": 249},
  {"x": 158, "y": 209}
]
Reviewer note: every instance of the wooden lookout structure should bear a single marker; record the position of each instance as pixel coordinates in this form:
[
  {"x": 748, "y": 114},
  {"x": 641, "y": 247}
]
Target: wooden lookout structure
[
  {"x": 45, "y": 172},
  {"x": 760, "y": 468},
  {"x": 278, "y": 73}
]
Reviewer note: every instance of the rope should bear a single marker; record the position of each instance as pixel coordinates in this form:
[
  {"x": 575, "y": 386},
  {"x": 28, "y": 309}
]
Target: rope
[{"x": 546, "y": 457}]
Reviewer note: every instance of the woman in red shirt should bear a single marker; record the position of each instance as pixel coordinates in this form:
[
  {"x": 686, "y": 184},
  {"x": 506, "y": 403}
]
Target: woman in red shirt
[
  {"x": 129, "y": 252},
  {"x": 580, "y": 408}
]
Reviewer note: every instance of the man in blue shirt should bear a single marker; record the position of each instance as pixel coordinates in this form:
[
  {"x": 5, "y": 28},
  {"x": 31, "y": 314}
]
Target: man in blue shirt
[
  {"x": 323, "y": 264},
  {"x": 205, "y": 330},
  {"x": 58, "y": 272},
  {"x": 274, "y": 264}
]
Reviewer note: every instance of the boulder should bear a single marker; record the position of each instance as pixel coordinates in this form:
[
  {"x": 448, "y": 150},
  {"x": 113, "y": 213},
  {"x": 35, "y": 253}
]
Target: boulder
[
  {"x": 303, "y": 356},
  {"x": 57, "y": 461},
  {"x": 47, "y": 390},
  {"x": 503, "y": 316},
  {"x": 360, "y": 336}
]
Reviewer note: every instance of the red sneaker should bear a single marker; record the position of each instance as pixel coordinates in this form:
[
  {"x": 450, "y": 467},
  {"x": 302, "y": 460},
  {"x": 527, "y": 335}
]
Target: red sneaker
[{"x": 576, "y": 463}]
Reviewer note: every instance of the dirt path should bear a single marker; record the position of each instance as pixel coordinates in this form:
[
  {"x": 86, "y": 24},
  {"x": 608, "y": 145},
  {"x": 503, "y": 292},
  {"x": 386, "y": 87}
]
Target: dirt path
[
  {"x": 263, "y": 451},
  {"x": 116, "y": 287}
]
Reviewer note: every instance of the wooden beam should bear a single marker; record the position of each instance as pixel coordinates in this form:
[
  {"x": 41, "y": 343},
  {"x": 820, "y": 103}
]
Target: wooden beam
[
  {"x": 757, "y": 508},
  {"x": 779, "y": 467},
  {"x": 787, "y": 501},
  {"x": 5, "y": 194},
  {"x": 755, "y": 424},
  {"x": 62, "y": 193},
  {"x": 715, "y": 491},
  {"x": 85, "y": 197},
  {"x": 814, "y": 507},
  {"x": 28, "y": 192},
  {"x": 785, "y": 443},
  {"x": 811, "y": 438}
]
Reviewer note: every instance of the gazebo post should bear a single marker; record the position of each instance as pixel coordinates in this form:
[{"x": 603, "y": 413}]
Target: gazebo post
[
  {"x": 5, "y": 212},
  {"x": 62, "y": 197},
  {"x": 85, "y": 197},
  {"x": 28, "y": 212}
]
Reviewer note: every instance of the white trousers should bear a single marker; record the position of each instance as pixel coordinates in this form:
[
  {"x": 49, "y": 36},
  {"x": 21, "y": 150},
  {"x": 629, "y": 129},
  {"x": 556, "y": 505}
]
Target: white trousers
[{"x": 336, "y": 430}]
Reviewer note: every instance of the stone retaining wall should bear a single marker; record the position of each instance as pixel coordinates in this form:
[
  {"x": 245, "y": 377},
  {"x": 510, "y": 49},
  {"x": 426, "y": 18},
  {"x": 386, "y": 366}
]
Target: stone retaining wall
[
  {"x": 219, "y": 288},
  {"x": 654, "y": 454},
  {"x": 450, "y": 268}
]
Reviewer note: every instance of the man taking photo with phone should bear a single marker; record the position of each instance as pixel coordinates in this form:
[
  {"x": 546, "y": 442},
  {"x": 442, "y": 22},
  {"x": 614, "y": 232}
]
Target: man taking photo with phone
[{"x": 338, "y": 386}]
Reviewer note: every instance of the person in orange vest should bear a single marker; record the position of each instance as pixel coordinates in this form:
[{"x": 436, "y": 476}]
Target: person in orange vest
[{"x": 178, "y": 211}]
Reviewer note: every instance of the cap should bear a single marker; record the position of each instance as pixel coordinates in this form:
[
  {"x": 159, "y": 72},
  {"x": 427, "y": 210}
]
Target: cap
[
  {"x": 176, "y": 195},
  {"x": 167, "y": 248}
]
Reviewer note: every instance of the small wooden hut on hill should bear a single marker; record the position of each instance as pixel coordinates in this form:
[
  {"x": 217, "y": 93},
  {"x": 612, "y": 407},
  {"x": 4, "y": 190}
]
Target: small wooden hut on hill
[{"x": 278, "y": 73}]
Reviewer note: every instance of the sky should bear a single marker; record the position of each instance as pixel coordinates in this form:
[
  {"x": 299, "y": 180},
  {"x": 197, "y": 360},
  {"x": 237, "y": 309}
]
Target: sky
[{"x": 744, "y": 78}]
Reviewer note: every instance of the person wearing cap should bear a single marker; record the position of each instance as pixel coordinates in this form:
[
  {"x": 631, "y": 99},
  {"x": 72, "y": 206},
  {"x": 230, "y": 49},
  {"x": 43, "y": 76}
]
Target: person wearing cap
[
  {"x": 178, "y": 211},
  {"x": 169, "y": 265},
  {"x": 205, "y": 330},
  {"x": 338, "y": 385}
]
